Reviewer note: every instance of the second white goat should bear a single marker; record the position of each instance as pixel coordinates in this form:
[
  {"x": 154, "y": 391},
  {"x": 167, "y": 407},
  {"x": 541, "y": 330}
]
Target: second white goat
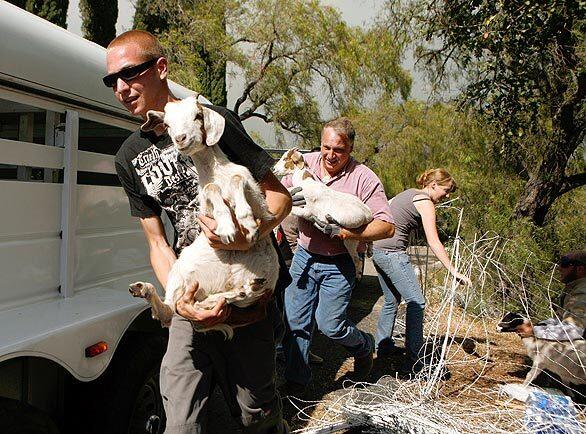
[{"x": 346, "y": 209}]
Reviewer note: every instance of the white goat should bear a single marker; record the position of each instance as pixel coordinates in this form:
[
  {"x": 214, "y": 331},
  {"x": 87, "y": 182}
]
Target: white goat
[
  {"x": 241, "y": 277},
  {"x": 346, "y": 209},
  {"x": 564, "y": 358}
]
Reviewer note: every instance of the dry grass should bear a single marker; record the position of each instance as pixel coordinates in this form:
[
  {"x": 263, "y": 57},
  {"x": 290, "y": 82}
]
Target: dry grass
[{"x": 461, "y": 325}]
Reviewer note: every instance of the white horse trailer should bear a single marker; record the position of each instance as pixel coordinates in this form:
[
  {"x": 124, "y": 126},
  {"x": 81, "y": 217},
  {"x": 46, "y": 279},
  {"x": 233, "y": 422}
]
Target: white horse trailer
[{"x": 77, "y": 352}]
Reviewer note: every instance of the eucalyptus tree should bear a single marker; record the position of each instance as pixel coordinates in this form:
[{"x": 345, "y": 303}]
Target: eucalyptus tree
[
  {"x": 99, "y": 20},
  {"x": 521, "y": 65},
  {"x": 297, "y": 59}
]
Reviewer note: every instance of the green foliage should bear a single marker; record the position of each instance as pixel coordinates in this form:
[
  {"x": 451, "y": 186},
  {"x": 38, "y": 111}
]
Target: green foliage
[
  {"x": 287, "y": 52},
  {"x": 99, "y": 20},
  {"x": 146, "y": 17},
  {"x": 517, "y": 53},
  {"x": 521, "y": 65},
  {"x": 399, "y": 141},
  {"x": 54, "y": 11},
  {"x": 202, "y": 67}
]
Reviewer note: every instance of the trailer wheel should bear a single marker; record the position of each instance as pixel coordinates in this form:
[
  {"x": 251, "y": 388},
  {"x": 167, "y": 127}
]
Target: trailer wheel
[
  {"x": 139, "y": 406},
  {"x": 19, "y": 418},
  {"x": 130, "y": 400},
  {"x": 148, "y": 415}
]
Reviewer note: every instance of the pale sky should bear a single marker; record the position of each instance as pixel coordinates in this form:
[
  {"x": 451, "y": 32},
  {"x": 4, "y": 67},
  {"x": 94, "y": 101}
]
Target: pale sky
[{"x": 355, "y": 12}]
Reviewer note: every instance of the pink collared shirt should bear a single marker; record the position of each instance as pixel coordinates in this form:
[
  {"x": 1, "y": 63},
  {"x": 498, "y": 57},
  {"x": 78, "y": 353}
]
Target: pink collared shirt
[{"x": 354, "y": 178}]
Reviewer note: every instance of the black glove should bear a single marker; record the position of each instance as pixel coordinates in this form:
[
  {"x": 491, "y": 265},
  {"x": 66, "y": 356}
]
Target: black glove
[
  {"x": 297, "y": 196},
  {"x": 331, "y": 227}
]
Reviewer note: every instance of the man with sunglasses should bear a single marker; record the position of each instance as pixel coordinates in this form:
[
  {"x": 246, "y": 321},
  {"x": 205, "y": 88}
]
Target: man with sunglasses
[
  {"x": 573, "y": 300},
  {"x": 156, "y": 177}
]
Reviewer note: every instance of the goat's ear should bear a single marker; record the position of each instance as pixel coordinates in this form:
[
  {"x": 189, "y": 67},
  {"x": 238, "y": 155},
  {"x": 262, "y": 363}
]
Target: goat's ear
[
  {"x": 154, "y": 119},
  {"x": 214, "y": 124},
  {"x": 297, "y": 158},
  {"x": 306, "y": 174}
]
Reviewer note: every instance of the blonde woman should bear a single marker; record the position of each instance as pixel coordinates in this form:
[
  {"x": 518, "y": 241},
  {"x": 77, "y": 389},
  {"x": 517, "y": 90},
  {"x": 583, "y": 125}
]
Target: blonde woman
[{"x": 410, "y": 209}]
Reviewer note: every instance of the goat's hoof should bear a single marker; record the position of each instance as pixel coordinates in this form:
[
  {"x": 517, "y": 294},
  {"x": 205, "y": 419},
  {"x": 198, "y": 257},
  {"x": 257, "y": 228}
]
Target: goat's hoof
[
  {"x": 248, "y": 222},
  {"x": 227, "y": 239},
  {"x": 227, "y": 234},
  {"x": 141, "y": 289}
]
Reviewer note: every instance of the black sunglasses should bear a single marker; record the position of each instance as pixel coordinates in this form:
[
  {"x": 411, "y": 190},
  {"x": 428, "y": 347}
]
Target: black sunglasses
[{"x": 129, "y": 73}]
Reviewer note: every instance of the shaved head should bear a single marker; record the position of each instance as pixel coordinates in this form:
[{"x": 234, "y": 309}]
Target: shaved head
[
  {"x": 148, "y": 88},
  {"x": 147, "y": 44}
]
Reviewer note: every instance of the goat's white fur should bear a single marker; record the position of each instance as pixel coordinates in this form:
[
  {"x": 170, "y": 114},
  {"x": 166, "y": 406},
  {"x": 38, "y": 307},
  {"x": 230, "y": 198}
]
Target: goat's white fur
[
  {"x": 348, "y": 210},
  {"x": 241, "y": 277}
]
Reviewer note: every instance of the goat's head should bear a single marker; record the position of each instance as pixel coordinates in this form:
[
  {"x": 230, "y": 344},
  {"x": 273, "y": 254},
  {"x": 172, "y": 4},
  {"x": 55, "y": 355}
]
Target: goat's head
[
  {"x": 514, "y": 323},
  {"x": 291, "y": 161},
  {"x": 190, "y": 125}
]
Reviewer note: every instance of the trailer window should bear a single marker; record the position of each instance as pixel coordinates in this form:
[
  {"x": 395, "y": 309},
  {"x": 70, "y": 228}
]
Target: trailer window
[
  {"x": 24, "y": 123},
  {"x": 101, "y": 138},
  {"x": 24, "y": 127}
]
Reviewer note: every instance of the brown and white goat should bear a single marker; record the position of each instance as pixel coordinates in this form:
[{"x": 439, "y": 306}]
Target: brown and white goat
[
  {"x": 564, "y": 358},
  {"x": 346, "y": 209}
]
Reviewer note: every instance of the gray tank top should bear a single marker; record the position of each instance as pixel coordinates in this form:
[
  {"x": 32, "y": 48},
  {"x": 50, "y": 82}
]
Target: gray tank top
[{"x": 406, "y": 217}]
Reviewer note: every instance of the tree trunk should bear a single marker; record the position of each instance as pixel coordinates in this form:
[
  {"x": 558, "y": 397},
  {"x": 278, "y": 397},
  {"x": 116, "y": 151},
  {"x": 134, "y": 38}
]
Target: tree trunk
[
  {"x": 548, "y": 180},
  {"x": 537, "y": 198},
  {"x": 99, "y": 20}
]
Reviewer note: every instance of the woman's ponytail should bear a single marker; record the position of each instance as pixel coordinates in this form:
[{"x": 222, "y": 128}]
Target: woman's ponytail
[{"x": 439, "y": 175}]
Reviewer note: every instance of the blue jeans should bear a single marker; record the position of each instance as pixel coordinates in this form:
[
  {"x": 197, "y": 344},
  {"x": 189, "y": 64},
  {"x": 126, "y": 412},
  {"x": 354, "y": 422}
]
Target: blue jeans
[
  {"x": 398, "y": 280},
  {"x": 320, "y": 293}
]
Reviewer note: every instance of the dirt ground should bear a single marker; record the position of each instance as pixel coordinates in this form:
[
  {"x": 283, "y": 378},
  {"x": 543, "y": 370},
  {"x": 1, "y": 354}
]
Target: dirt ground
[{"x": 491, "y": 359}]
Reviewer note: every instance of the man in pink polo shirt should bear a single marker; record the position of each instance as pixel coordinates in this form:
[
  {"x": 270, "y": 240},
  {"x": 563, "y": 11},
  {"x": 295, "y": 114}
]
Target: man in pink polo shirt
[{"x": 323, "y": 273}]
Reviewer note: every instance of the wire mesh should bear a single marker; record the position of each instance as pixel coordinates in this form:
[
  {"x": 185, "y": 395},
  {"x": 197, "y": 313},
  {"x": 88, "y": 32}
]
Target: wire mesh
[{"x": 461, "y": 338}]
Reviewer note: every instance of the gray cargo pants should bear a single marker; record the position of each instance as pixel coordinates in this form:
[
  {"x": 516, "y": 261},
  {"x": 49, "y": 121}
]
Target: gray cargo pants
[{"x": 243, "y": 367}]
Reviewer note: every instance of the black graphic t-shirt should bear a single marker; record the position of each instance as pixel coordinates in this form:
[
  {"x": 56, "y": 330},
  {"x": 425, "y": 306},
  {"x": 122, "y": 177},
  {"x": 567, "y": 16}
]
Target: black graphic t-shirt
[{"x": 156, "y": 177}]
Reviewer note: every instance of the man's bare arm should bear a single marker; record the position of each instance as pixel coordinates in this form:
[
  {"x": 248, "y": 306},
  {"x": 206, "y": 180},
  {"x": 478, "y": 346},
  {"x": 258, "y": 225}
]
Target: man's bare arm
[
  {"x": 375, "y": 230},
  {"x": 278, "y": 200},
  {"x": 161, "y": 255}
]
